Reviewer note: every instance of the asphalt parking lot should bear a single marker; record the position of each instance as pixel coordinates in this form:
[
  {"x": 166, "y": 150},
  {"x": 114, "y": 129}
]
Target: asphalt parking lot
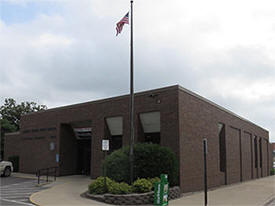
[{"x": 16, "y": 191}]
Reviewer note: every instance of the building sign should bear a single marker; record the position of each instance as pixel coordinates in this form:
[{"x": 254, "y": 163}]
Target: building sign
[
  {"x": 105, "y": 145},
  {"x": 57, "y": 157},
  {"x": 161, "y": 191},
  {"x": 52, "y": 146}
]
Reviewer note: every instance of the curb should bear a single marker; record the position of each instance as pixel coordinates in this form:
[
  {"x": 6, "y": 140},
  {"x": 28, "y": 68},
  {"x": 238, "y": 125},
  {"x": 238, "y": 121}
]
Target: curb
[
  {"x": 269, "y": 200},
  {"x": 22, "y": 176},
  {"x": 32, "y": 201},
  {"x": 36, "y": 193},
  {"x": 43, "y": 184}
]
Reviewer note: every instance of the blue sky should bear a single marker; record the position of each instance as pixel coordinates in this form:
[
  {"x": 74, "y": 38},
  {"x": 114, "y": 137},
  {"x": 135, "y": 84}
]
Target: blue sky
[
  {"x": 61, "y": 52},
  {"x": 14, "y": 13}
]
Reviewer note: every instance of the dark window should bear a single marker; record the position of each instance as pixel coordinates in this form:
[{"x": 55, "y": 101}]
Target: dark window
[
  {"x": 34, "y": 130},
  {"x": 115, "y": 142},
  {"x": 222, "y": 147},
  {"x": 256, "y": 152},
  {"x": 152, "y": 137},
  {"x": 150, "y": 125},
  {"x": 261, "y": 155},
  {"x": 51, "y": 129},
  {"x": 43, "y": 129},
  {"x": 114, "y": 132}
]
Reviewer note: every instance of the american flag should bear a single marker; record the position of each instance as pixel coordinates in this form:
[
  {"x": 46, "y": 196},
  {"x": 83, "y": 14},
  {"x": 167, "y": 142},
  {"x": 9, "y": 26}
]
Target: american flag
[{"x": 120, "y": 24}]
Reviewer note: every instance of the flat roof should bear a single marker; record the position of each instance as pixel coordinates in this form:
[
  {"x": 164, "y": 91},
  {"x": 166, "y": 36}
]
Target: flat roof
[
  {"x": 217, "y": 106},
  {"x": 173, "y": 87}
]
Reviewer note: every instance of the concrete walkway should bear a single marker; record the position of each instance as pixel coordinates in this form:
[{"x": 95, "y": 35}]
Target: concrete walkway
[
  {"x": 67, "y": 190},
  {"x": 252, "y": 193}
]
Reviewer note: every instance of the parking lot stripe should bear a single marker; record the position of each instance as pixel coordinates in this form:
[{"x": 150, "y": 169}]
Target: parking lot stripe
[
  {"x": 17, "y": 202},
  {"x": 16, "y": 196},
  {"x": 16, "y": 190},
  {"x": 19, "y": 193}
]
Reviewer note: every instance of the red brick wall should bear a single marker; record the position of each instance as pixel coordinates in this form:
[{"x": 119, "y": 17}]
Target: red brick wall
[
  {"x": 185, "y": 120},
  {"x": 12, "y": 145},
  {"x": 233, "y": 155},
  {"x": 35, "y": 154},
  {"x": 247, "y": 156},
  {"x": 68, "y": 151},
  {"x": 198, "y": 119},
  {"x": 33, "y": 151}
]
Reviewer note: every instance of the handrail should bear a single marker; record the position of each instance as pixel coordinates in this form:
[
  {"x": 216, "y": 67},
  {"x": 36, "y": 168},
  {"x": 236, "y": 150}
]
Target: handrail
[{"x": 40, "y": 173}]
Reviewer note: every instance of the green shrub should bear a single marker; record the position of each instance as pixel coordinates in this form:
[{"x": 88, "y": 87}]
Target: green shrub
[
  {"x": 125, "y": 188},
  {"x": 153, "y": 181},
  {"x": 150, "y": 160},
  {"x": 97, "y": 187},
  {"x": 272, "y": 171},
  {"x": 119, "y": 188},
  {"x": 142, "y": 185},
  {"x": 117, "y": 165},
  {"x": 114, "y": 188}
]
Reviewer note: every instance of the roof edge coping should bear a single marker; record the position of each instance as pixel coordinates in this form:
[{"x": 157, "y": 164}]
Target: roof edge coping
[
  {"x": 12, "y": 133},
  {"x": 218, "y": 106},
  {"x": 106, "y": 99}
]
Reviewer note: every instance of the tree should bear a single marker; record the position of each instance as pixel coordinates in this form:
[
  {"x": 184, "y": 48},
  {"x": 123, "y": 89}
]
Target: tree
[
  {"x": 13, "y": 112},
  {"x": 10, "y": 115},
  {"x": 5, "y": 127}
]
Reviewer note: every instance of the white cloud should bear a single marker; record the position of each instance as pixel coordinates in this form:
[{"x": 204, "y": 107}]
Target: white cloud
[
  {"x": 223, "y": 50},
  {"x": 50, "y": 40}
]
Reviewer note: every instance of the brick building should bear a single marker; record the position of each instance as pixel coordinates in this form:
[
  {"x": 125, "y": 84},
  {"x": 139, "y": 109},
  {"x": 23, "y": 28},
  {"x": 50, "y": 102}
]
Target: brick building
[
  {"x": 273, "y": 154},
  {"x": 70, "y": 137}
]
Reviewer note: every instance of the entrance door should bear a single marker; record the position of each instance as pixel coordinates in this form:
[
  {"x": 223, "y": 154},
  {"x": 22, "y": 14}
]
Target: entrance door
[{"x": 84, "y": 157}]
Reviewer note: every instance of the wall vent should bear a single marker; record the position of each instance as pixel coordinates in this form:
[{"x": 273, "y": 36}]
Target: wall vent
[{"x": 83, "y": 133}]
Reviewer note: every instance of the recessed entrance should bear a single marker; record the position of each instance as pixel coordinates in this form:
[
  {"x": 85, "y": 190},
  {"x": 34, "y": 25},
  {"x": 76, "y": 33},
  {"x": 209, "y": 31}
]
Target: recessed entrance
[
  {"x": 75, "y": 148},
  {"x": 83, "y": 157}
]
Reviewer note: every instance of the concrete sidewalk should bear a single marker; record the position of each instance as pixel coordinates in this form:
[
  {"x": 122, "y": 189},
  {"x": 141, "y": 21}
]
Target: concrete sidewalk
[
  {"x": 253, "y": 193},
  {"x": 67, "y": 190}
]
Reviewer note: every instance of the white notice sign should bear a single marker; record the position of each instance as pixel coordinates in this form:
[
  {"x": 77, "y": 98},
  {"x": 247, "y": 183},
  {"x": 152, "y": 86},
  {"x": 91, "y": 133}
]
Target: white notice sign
[{"x": 105, "y": 145}]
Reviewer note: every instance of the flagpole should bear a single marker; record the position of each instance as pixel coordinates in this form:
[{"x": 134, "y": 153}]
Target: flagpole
[{"x": 132, "y": 135}]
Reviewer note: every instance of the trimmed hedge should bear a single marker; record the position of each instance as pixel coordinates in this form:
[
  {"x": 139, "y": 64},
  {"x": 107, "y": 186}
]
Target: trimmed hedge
[
  {"x": 117, "y": 165},
  {"x": 139, "y": 186},
  {"x": 150, "y": 160},
  {"x": 154, "y": 180},
  {"x": 97, "y": 187},
  {"x": 142, "y": 185},
  {"x": 120, "y": 188}
]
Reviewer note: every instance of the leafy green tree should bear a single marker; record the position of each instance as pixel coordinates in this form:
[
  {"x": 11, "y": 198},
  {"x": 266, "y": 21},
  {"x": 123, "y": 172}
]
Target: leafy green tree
[
  {"x": 13, "y": 112},
  {"x": 10, "y": 115}
]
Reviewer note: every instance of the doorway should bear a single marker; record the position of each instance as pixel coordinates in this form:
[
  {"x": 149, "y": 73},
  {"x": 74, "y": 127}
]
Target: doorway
[
  {"x": 83, "y": 157},
  {"x": 75, "y": 148}
]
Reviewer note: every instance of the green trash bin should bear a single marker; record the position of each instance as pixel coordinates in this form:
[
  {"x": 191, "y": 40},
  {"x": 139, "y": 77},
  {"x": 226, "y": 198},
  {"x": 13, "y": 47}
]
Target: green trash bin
[{"x": 161, "y": 191}]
